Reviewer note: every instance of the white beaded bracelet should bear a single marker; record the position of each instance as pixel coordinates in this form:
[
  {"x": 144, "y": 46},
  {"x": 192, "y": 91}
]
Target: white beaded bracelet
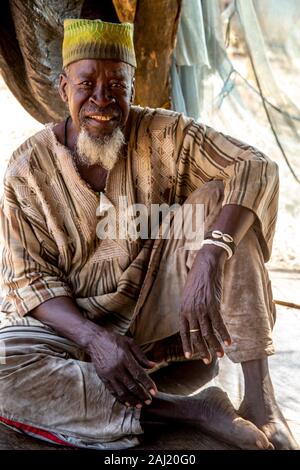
[
  {"x": 226, "y": 247},
  {"x": 220, "y": 235}
]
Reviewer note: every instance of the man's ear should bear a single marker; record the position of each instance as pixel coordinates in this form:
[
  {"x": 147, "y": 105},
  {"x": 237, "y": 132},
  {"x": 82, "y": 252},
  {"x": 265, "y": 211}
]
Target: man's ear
[
  {"x": 132, "y": 90},
  {"x": 62, "y": 87}
]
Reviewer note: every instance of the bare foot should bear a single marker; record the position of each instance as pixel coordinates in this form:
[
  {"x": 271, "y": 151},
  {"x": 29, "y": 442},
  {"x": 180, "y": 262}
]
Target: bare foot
[
  {"x": 271, "y": 421},
  {"x": 218, "y": 418},
  {"x": 260, "y": 406},
  {"x": 211, "y": 411}
]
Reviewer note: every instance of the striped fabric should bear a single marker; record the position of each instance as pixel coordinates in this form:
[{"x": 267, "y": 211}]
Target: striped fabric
[{"x": 48, "y": 213}]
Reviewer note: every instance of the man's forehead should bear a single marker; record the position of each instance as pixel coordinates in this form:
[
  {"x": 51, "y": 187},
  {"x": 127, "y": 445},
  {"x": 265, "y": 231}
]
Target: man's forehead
[{"x": 95, "y": 66}]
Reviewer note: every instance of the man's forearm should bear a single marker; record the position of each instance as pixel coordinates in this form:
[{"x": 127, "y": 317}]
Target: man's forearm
[
  {"x": 63, "y": 316},
  {"x": 234, "y": 220}
]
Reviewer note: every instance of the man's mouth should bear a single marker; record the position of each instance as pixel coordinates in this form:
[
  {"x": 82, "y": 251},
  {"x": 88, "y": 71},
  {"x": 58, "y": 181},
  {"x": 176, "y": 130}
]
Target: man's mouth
[
  {"x": 101, "y": 117},
  {"x": 104, "y": 118}
]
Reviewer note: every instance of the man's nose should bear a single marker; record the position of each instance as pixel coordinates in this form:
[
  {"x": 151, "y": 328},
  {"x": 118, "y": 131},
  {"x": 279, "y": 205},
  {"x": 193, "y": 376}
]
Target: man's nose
[{"x": 101, "y": 96}]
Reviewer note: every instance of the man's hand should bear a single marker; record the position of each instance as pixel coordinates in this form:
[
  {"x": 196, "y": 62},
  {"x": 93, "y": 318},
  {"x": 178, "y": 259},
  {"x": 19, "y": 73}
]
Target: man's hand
[
  {"x": 118, "y": 360},
  {"x": 120, "y": 364},
  {"x": 200, "y": 316}
]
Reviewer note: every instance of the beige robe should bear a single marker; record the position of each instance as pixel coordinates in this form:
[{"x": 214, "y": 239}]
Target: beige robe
[
  {"x": 48, "y": 213},
  {"x": 50, "y": 249}
]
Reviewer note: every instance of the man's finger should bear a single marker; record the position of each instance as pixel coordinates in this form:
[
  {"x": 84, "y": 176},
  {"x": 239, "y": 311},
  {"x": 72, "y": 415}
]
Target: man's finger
[
  {"x": 199, "y": 346},
  {"x": 211, "y": 340},
  {"x": 134, "y": 388},
  {"x": 126, "y": 389},
  {"x": 119, "y": 392},
  {"x": 146, "y": 382},
  {"x": 219, "y": 326},
  {"x": 214, "y": 345},
  {"x": 185, "y": 338},
  {"x": 140, "y": 357},
  {"x": 127, "y": 395}
]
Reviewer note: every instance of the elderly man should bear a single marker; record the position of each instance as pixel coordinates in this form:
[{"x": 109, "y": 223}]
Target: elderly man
[{"x": 86, "y": 318}]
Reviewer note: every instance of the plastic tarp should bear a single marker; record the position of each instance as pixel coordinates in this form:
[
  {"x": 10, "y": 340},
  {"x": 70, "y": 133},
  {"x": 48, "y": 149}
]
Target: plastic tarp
[
  {"x": 204, "y": 72},
  {"x": 236, "y": 67}
]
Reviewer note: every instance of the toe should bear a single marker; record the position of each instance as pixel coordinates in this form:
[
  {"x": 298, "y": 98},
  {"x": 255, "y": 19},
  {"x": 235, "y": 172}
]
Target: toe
[
  {"x": 280, "y": 436},
  {"x": 263, "y": 443},
  {"x": 250, "y": 437}
]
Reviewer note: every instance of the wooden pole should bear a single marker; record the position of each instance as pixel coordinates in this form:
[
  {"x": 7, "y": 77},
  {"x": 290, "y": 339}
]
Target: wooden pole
[{"x": 286, "y": 304}]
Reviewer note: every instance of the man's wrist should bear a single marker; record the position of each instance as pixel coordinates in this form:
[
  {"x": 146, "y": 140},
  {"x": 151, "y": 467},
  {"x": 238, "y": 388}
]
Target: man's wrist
[
  {"x": 88, "y": 331},
  {"x": 215, "y": 251},
  {"x": 222, "y": 240}
]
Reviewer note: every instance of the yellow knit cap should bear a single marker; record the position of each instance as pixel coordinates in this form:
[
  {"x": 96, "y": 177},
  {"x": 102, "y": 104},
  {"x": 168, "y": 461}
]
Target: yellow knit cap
[{"x": 96, "y": 39}]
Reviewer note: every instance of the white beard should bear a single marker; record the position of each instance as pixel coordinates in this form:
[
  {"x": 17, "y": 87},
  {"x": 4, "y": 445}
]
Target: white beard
[{"x": 104, "y": 151}]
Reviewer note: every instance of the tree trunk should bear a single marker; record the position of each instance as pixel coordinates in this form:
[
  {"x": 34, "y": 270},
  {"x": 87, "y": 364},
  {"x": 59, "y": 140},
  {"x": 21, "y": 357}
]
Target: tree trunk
[{"x": 31, "y": 34}]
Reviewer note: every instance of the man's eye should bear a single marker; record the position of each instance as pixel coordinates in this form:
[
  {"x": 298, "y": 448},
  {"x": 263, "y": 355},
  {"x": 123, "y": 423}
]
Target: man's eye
[
  {"x": 86, "y": 83},
  {"x": 117, "y": 85}
]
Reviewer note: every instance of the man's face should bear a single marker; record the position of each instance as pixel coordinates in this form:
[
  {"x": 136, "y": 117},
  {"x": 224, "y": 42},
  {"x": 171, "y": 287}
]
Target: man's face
[{"x": 99, "y": 94}]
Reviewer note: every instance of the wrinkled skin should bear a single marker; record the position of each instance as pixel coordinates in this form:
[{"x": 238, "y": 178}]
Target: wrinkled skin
[
  {"x": 97, "y": 88},
  {"x": 120, "y": 364},
  {"x": 200, "y": 308},
  {"x": 211, "y": 411}
]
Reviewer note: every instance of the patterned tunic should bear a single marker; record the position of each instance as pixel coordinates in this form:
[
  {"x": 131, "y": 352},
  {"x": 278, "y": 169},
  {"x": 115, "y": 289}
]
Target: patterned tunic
[{"x": 48, "y": 213}]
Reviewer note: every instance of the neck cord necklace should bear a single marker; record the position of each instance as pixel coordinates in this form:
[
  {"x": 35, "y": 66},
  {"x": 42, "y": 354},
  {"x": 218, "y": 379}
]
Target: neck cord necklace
[{"x": 66, "y": 132}]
